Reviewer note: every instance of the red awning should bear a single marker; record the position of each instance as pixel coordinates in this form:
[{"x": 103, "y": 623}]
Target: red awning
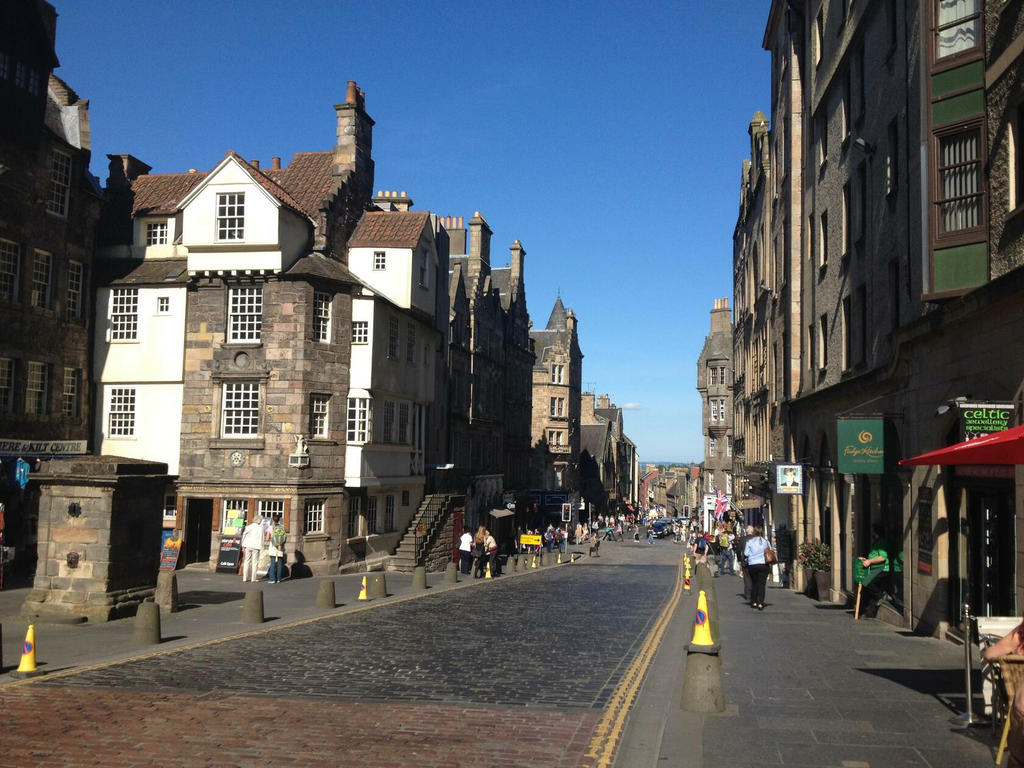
[{"x": 1006, "y": 447}]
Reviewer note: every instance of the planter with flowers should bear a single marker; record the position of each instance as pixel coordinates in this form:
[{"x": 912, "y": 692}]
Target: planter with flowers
[{"x": 816, "y": 556}]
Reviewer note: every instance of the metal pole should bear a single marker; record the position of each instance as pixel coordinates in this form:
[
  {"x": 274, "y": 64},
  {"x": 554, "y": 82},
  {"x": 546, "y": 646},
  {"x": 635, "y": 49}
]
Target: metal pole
[{"x": 968, "y": 719}]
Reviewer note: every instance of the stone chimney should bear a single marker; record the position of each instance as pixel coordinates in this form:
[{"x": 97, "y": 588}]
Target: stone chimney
[
  {"x": 479, "y": 246},
  {"x": 757, "y": 129},
  {"x": 355, "y": 140},
  {"x": 587, "y": 415},
  {"x": 603, "y": 401},
  {"x": 721, "y": 317},
  {"x": 115, "y": 225},
  {"x": 123, "y": 170},
  {"x": 456, "y": 234},
  {"x": 389, "y": 200},
  {"x": 517, "y": 254},
  {"x": 570, "y": 321},
  {"x": 255, "y": 163}
]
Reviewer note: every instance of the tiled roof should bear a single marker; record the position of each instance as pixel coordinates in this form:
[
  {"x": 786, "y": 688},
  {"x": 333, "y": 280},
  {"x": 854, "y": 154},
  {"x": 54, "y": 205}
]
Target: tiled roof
[
  {"x": 159, "y": 193},
  {"x": 398, "y": 229},
  {"x": 268, "y": 184},
  {"x": 134, "y": 272},
  {"x": 318, "y": 265},
  {"x": 308, "y": 178}
]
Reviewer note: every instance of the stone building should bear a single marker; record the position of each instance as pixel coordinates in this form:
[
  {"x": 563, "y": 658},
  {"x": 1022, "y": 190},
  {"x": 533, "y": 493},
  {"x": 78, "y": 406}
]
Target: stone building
[
  {"x": 266, "y": 328},
  {"x": 490, "y": 361},
  {"x": 557, "y": 382},
  {"x": 910, "y": 286},
  {"x": 49, "y": 207},
  {"x": 714, "y": 383},
  {"x": 608, "y": 461}
]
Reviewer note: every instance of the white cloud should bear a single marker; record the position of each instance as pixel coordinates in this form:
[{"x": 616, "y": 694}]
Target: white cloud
[{"x": 631, "y": 407}]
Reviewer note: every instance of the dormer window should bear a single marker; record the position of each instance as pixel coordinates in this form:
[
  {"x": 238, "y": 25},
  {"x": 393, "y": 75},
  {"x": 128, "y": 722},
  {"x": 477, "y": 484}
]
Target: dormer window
[
  {"x": 156, "y": 233},
  {"x": 230, "y": 216}
]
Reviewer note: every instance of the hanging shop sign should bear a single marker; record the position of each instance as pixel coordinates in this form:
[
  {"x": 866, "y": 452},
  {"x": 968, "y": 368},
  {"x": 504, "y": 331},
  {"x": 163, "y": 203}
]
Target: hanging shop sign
[
  {"x": 789, "y": 479},
  {"x": 861, "y": 446},
  {"x": 980, "y": 419}
]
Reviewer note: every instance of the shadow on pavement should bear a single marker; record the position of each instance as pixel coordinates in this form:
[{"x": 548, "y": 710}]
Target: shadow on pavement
[
  {"x": 944, "y": 684},
  {"x": 203, "y": 597}
]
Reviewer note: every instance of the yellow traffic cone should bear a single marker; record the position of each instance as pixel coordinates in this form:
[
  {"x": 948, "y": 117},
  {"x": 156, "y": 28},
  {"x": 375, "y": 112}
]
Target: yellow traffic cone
[
  {"x": 701, "y": 627},
  {"x": 559, "y": 561},
  {"x": 686, "y": 580},
  {"x": 362, "y": 592},
  {"x": 27, "y": 667},
  {"x": 488, "y": 575},
  {"x": 534, "y": 565}
]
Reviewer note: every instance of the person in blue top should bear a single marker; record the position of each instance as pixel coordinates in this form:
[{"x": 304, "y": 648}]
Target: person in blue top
[{"x": 754, "y": 553}]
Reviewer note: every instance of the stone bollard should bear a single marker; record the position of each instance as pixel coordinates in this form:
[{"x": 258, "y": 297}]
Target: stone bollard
[
  {"x": 167, "y": 591},
  {"x": 419, "y": 577},
  {"x": 252, "y": 608},
  {"x": 712, "y": 601},
  {"x": 147, "y": 625},
  {"x": 511, "y": 562},
  {"x": 376, "y": 585},
  {"x": 705, "y": 578},
  {"x": 702, "y": 680},
  {"x": 451, "y": 574},
  {"x": 325, "y": 597},
  {"x": 540, "y": 557}
]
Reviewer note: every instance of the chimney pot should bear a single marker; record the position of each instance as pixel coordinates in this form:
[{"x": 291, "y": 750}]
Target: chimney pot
[
  {"x": 255, "y": 163},
  {"x": 275, "y": 163},
  {"x": 351, "y": 92}
]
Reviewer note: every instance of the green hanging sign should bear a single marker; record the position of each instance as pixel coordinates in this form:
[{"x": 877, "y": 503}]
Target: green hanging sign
[{"x": 861, "y": 446}]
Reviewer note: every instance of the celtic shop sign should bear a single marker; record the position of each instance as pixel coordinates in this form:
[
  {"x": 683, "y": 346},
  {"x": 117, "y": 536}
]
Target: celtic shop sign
[
  {"x": 980, "y": 419},
  {"x": 861, "y": 446}
]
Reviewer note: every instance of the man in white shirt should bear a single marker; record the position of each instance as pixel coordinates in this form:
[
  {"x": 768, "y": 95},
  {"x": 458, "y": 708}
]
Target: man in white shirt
[
  {"x": 466, "y": 551},
  {"x": 252, "y": 546}
]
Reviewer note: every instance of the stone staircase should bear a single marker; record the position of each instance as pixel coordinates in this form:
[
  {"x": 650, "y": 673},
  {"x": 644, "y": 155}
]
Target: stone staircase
[{"x": 432, "y": 515}]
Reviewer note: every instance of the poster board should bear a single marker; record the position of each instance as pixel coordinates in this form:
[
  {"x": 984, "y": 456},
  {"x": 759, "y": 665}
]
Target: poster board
[
  {"x": 170, "y": 553},
  {"x": 230, "y": 554}
]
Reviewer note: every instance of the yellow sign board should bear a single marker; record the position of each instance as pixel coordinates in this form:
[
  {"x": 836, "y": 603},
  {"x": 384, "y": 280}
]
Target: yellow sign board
[{"x": 530, "y": 539}]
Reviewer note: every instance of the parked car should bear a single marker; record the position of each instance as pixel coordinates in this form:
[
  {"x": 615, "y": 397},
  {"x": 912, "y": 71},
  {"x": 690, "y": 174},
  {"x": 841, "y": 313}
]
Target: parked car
[{"x": 662, "y": 528}]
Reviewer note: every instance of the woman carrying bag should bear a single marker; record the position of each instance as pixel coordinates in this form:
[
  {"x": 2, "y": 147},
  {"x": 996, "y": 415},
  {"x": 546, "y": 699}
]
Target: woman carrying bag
[{"x": 759, "y": 555}]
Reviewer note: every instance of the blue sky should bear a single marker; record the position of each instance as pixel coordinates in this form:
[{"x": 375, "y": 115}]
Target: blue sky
[{"x": 609, "y": 141}]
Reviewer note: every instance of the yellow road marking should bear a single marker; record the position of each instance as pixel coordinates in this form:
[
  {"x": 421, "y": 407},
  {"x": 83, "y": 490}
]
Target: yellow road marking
[{"x": 609, "y": 729}]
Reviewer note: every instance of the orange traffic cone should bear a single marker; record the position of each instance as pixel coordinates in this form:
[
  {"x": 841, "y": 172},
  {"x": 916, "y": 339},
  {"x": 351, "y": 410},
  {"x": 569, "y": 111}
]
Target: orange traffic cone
[
  {"x": 701, "y": 627},
  {"x": 362, "y": 592},
  {"x": 27, "y": 668}
]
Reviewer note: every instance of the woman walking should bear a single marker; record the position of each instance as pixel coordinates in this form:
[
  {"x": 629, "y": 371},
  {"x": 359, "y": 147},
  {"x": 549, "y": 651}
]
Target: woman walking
[{"x": 756, "y": 565}]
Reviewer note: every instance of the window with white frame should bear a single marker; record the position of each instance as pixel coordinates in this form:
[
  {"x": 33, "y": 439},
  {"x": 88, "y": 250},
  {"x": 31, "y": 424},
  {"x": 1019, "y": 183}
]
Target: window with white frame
[
  {"x": 410, "y": 343},
  {"x": 313, "y": 519},
  {"x": 121, "y": 412},
  {"x": 556, "y": 437},
  {"x": 714, "y": 410},
  {"x": 74, "y": 294},
  {"x": 358, "y": 419},
  {"x": 42, "y": 272},
  {"x": 380, "y": 260},
  {"x": 235, "y": 514},
  {"x": 10, "y": 260},
  {"x": 557, "y": 374},
  {"x": 389, "y": 512},
  {"x": 156, "y": 233},
  {"x": 728, "y": 447},
  {"x": 230, "y": 216},
  {"x": 163, "y": 305},
  {"x": 558, "y": 407},
  {"x": 240, "y": 415},
  {"x": 318, "y": 412},
  {"x": 6, "y": 385},
  {"x": 712, "y": 444},
  {"x": 353, "y": 517},
  {"x": 960, "y": 187},
  {"x": 403, "y": 423},
  {"x": 37, "y": 389},
  {"x": 371, "y": 514},
  {"x": 245, "y": 314},
  {"x": 267, "y": 508},
  {"x": 393, "y": 338},
  {"x": 958, "y": 27},
  {"x": 360, "y": 332},
  {"x": 69, "y": 406},
  {"x": 321, "y": 316},
  {"x": 60, "y": 182},
  {"x": 388, "y": 422},
  {"x": 170, "y": 505},
  {"x": 124, "y": 314}
]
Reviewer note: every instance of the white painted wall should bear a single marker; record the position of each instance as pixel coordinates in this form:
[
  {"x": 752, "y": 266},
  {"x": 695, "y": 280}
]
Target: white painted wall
[
  {"x": 394, "y": 281},
  {"x": 157, "y": 424},
  {"x": 157, "y": 354},
  {"x": 361, "y": 365}
]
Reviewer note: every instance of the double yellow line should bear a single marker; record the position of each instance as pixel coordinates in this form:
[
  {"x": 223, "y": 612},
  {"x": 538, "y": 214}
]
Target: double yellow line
[{"x": 609, "y": 729}]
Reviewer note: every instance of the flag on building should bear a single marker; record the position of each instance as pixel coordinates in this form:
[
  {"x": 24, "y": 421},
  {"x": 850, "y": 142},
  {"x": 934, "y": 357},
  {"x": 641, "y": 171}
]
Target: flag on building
[{"x": 721, "y": 505}]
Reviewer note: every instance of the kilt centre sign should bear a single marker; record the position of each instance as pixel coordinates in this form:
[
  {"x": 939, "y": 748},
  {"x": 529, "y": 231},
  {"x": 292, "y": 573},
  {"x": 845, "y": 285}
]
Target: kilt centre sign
[{"x": 860, "y": 444}]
